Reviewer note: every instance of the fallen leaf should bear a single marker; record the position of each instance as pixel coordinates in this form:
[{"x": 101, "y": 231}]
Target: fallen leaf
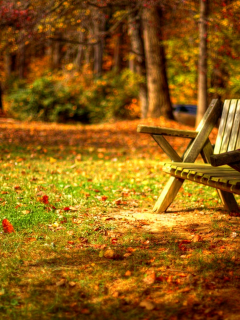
[
  {"x": 233, "y": 235},
  {"x": 126, "y": 255},
  {"x": 115, "y": 294},
  {"x": 60, "y": 283},
  {"x": 52, "y": 160},
  {"x": 44, "y": 199},
  {"x": 197, "y": 238},
  {"x": 78, "y": 157},
  {"x": 30, "y": 239},
  {"x": 26, "y": 211},
  {"x": 187, "y": 289},
  {"x": 128, "y": 273},
  {"x": 109, "y": 254},
  {"x": 72, "y": 284},
  {"x": 118, "y": 201},
  {"x": 2, "y": 292},
  {"x": 147, "y": 305},
  {"x": 150, "y": 277},
  {"x": 85, "y": 311},
  {"x": 7, "y": 226},
  {"x": 107, "y": 218}
]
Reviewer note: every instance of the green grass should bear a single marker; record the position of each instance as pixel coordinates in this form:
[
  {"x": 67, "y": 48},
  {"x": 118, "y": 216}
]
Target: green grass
[{"x": 53, "y": 265}]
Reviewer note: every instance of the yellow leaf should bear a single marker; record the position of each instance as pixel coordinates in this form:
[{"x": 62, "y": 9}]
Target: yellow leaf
[
  {"x": 52, "y": 160},
  {"x": 26, "y": 211}
]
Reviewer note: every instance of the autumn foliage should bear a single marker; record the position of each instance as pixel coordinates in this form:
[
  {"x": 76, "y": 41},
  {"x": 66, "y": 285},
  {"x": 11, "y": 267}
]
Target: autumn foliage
[{"x": 7, "y": 226}]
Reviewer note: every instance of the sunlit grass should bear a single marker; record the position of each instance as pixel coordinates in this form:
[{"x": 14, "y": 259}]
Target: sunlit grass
[{"x": 69, "y": 205}]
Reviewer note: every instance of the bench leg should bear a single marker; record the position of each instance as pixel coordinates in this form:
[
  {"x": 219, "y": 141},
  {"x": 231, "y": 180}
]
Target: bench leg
[
  {"x": 168, "y": 194},
  {"x": 228, "y": 199}
]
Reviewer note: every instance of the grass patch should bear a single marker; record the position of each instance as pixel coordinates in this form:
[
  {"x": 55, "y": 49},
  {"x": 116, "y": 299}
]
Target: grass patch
[{"x": 73, "y": 194}]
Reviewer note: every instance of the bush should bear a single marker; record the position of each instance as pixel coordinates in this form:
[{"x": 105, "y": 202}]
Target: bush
[
  {"x": 111, "y": 96},
  {"x": 47, "y": 100}
]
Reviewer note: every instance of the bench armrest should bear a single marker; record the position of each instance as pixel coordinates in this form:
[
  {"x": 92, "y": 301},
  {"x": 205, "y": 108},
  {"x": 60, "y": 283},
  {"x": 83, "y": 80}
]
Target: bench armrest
[
  {"x": 230, "y": 157},
  {"x": 191, "y": 134}
]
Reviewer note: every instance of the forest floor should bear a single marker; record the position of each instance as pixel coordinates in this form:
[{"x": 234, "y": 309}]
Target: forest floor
[{"x": 86, "y": 243}]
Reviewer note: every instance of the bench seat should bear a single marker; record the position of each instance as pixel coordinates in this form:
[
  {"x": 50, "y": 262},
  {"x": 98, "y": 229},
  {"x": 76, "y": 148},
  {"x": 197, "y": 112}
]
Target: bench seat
[{"x": 223, "y": 178}]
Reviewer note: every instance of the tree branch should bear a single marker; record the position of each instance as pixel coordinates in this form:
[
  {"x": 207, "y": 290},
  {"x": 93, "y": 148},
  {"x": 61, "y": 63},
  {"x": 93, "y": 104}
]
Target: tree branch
[
  {"x": 115, "y": 26},
  {"x": 74, "y": 41}
]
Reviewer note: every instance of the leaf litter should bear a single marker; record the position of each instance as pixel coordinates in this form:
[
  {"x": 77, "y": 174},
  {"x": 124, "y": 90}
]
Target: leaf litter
[{"x": 90, "y": 235}]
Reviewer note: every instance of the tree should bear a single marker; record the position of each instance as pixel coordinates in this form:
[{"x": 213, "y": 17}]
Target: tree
[
  {"x": 159, "y": 103},
  {"x": 202, "y": 62},
  {"x": 139, "y": 58}
]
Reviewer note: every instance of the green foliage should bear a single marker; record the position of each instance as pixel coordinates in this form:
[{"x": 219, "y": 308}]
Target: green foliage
[
  {"x": 111, "y": 96},
  {"x": 47, "y": 99}
]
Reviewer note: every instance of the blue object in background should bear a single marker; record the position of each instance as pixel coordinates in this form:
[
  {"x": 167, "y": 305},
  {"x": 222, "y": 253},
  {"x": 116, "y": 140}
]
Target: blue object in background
[
  {"x": 185, "y": 113},
  {"x": 188, "y": 108}
]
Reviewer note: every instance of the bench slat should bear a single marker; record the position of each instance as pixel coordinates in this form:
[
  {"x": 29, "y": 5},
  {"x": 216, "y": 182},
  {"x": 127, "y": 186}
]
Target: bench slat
[
  {"x": 224, "y": 180},
  {"x": 228, "y": 126},
  {"x": 235, "y": 130},
  {"x": 222, "y": 126},
  {"x": 167, "y": 132}
]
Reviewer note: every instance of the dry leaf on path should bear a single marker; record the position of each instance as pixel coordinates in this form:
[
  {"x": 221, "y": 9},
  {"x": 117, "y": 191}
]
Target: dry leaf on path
[
  {"x": 197, "y": 238},
  {"x": 72, "y": 284},
  {"x": 147, "y": 305},
  {"x": 109, "y": 254},
  {"x": 85, "y": 311},
  {"x": 60, "y": 283},
  {"x": 150, "y": 277}
]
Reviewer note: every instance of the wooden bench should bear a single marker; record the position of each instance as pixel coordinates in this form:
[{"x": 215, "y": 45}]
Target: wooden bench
[{"x": 221, "y": 167}]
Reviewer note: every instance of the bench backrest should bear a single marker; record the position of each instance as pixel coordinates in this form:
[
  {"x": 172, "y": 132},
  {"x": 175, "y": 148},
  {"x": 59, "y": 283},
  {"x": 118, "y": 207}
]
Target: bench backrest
[{"x": 228, "y": 138}]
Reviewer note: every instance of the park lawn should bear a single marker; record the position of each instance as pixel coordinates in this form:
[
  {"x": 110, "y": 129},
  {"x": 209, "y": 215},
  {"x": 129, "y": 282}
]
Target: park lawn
[{"x": 86, "y": 244}]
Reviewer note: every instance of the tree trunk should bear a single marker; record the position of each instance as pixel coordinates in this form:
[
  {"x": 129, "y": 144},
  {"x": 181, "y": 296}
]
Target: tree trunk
[
  {"x": 117, "y": 50},
  {"x": 56, "y": 53},
  {"x": 139, "y": 59},
  {"x": 7, "y": 64},
  {"x": 158, "y": 91},
  {"x": 202, "y": 62},
  {"x": 99, "y": 26},
  {"x": 1, "y": 94},
  {"x": 80, "y": 51},
  {"x": 22, "y": 61}
]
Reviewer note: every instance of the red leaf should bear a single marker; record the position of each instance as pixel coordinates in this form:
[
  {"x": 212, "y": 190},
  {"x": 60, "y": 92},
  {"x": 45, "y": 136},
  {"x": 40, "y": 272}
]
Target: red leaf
[
  {"x": 66, "y": 209},
  {"x": 44, "y": 199},
  {"x": 184, "y": 242},
  {"x": 7, "y": 226}
]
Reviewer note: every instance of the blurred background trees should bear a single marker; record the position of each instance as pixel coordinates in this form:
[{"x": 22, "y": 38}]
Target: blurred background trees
[{"x": 97, "y": 60}]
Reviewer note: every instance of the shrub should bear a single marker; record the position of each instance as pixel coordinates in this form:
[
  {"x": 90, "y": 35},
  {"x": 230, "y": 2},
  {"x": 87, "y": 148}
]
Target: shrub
[
  {"x": 111, "y": 96},
  {"x": 46, "y": 99}
]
